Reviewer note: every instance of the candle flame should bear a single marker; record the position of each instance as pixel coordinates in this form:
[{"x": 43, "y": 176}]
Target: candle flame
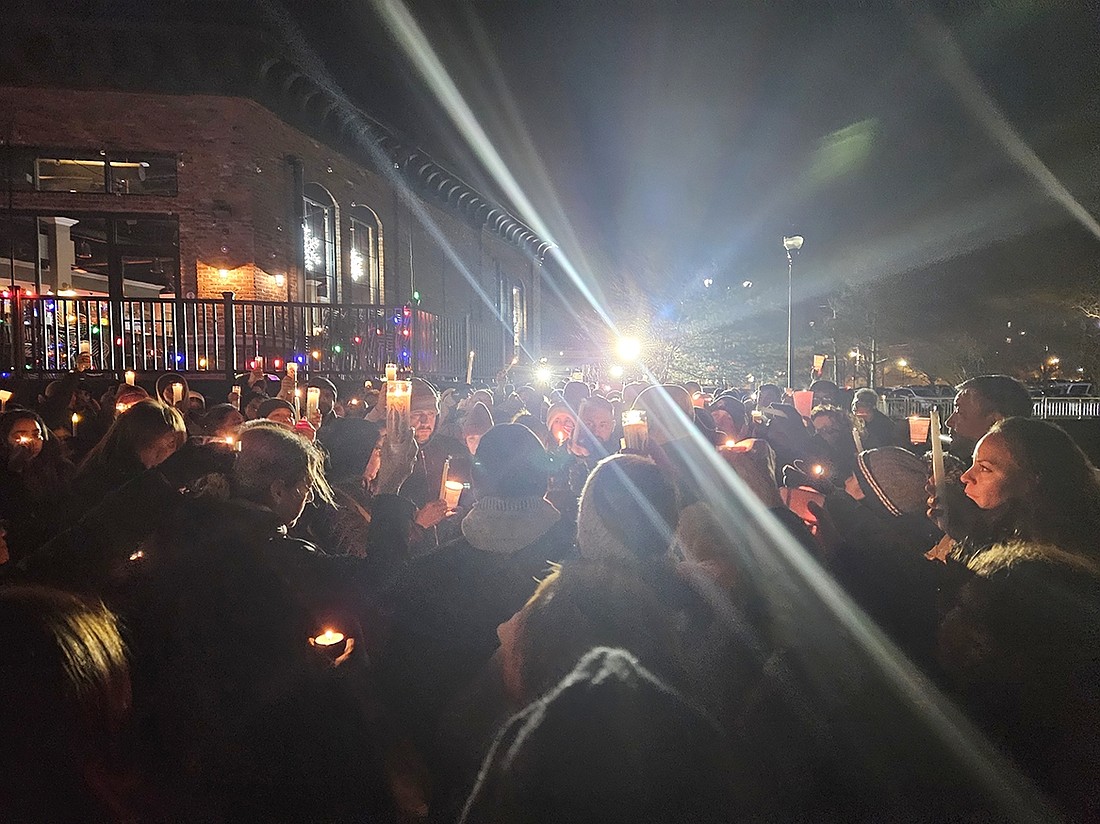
[
  {"x": 818, "y": 469},
  {"x": 731, "y": 443},
  {"x": 327, "y": 638},
  {"x": 137, "y": 556}
]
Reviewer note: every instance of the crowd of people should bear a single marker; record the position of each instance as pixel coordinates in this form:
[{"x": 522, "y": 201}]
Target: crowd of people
[{"x": 505, "y": 607}]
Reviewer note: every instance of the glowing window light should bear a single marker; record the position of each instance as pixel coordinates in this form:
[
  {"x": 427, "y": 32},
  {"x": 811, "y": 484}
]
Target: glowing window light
[
  {"x": 358, "y": 267},
  {"x": 312, "y": 246}
]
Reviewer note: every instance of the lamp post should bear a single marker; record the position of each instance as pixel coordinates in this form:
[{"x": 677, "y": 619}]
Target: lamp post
[{"x": 791, "y": 245}]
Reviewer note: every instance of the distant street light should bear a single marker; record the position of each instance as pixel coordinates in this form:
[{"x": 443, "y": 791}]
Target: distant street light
[{"x": 792, "y": 245}]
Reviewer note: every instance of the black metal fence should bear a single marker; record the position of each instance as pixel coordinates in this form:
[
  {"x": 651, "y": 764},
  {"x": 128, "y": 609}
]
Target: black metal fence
[{"x": 44, "y": 334}]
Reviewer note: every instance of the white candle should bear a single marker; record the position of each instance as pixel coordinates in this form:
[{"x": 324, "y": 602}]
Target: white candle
[
  {"x": 313, "y": 402},
  {"x": 937, "y": 450},
  {"x": 130, "y": 377},
  {"x": 635, "y": 430},
  {"x": 391, "y": 372},
  {"x": 177, "y": 393},
  {"x": 443, "y": 481},
  {"x": 85, "y": 347},
  {"x": 235, "y": 398},
  {"x": 452, "y": 491},
  {"x": 470, "y": 368},
  {"x": 76, "y": 420},
  {"x": 259, "y": 363},
  {"x": 292, "y": 371},
  {"x": 857, "y": 438},
  {"x": 297, "y": 404},
  {"x": 398, "y": 398},
  {"x": 5, "y": 396}
]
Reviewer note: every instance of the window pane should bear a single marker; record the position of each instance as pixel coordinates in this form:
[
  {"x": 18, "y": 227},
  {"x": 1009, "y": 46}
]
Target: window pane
[
  {"x": 149, "y": 251},
  {"x": 70, "y": 174},
  {"x": 319, "y": 247},
  {"x": 143, "y": 175}
]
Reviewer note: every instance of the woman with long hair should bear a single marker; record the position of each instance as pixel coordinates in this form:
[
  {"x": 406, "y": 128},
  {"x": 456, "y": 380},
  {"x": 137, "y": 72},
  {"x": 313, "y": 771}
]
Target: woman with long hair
[
  {"x": 1034, "y": 483},
  {"x": 140, "y": 438},
  {"x": 35, "y": 481}
]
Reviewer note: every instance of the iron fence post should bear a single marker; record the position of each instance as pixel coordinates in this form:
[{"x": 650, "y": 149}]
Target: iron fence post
[
  {"x": 18, "y": 353},
  {"x": 230, "y": 339}
]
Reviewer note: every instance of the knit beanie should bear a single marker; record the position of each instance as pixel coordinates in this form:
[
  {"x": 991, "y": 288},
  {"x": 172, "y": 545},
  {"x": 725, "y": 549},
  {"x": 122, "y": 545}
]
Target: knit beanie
[
  {"x": 895, "y": 478},
  {"x": 270, "y": 405},
  {"x": 478, "y": 421},
  {"x": 424, "y": 397}
]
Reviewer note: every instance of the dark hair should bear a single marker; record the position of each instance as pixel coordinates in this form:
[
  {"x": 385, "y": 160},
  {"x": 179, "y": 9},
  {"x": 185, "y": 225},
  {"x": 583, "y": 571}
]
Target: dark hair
[
  {"x": 217, "y": 416},
  {"x": 50, "y": 473},
  {"x": 583, "y": 604},
  {"x": 834, "y": 412},
  {"x": 1062, "y": 500},
  {"x": 511, "y": 463},
  {"x": 598, "y": 402},
  {"x": 1000, "y": 395},
  {"x": 133, "y": 430}
]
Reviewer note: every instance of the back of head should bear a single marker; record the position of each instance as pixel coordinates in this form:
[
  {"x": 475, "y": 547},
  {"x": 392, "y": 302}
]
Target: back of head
[
  {"x": 628, "y": 510},
  {"x": 865, "y": 399},
  {"x": 64, "y": 697},
  {"x": 1000, "y": 395},
  {"x": 349, "y": 443},
  {"x": 609, "y": 744},
  {"x": 511, "y": 463},
  {"x": 584, "y": 604},
  {"x": 574, "y": 393},
  {"x": 669, "y": 410}
]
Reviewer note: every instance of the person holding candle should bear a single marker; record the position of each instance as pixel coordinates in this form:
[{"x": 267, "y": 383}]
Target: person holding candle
[
  {"x": 447, "y": 605},
  {"x": 35, "y": 481},
  {"x": 326, "y": 402},
  {"x": 435, "y": 448},
  {"x": 875, "y": 428}
]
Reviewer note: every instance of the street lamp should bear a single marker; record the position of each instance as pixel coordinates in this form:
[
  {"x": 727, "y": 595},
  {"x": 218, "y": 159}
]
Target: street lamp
[{"x": 792, "y": 245}]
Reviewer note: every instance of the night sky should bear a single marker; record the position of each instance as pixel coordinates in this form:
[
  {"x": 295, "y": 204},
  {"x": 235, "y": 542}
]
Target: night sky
[
  {"x": 667, "y": 142},
  {"x": 684, "y": 139}
]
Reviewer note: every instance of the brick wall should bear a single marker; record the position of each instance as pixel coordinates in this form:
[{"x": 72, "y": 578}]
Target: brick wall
[{"x": 235, "y": 201}]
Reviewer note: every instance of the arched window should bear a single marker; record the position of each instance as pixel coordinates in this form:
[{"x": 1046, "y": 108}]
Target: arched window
[
  {"x": 365, "y": 269},
  {"x": 320, "y": 243}
]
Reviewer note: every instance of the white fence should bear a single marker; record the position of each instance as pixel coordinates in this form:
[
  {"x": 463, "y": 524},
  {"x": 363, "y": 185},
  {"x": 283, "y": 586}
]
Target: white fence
[{"x": 1046, "y": 408}]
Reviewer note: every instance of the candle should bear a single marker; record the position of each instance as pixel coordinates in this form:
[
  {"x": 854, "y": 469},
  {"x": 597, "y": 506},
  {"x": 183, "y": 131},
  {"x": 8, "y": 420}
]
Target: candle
[
  {"x": 202, "y": 363},
  {"x": 292, "y": 371},
  {"x": 451, "y": 493},
  {"x": 937, "y": 450},
  {"x": 635, "y": 430},
  {"x": 131, "y": 377},
  {"x": 470, "y": 368},
  {"x": 391, "y": 372},
  {"x": 918, "y": 429},
  {"x": 232, "y": 443},
  {"x": 5, "y": 396},
  {"x": 333, "y": 644},
  {"x": 443, "y": 481},
  {"x": 177, "y": 394},
  {"x": 858, "y": 438},
  {"x": 76, "y": 420},
  {"x": 259, "y": 364},
  {"x": 235, "y": 398},
  {"x": 398, "y": 398},
  {"x": 85, "y": 347},
  {"x": 297, "y": 404},
  {"x": 313, "y": 402}
]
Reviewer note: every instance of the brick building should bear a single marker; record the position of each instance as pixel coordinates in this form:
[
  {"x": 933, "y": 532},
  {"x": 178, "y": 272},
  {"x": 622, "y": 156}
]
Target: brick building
[{"x": 142, "y": 173}]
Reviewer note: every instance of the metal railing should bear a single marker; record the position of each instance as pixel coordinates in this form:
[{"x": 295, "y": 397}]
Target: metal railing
[
  {"x": 44, "y": 334},
  {"x": 1045, "y": 408}
]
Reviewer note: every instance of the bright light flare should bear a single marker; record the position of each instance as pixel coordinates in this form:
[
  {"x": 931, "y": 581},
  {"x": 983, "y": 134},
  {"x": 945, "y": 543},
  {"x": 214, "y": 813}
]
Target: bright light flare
[
  {"x": 544, "y": 374},
  {"x": 629, "y": 349}
]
